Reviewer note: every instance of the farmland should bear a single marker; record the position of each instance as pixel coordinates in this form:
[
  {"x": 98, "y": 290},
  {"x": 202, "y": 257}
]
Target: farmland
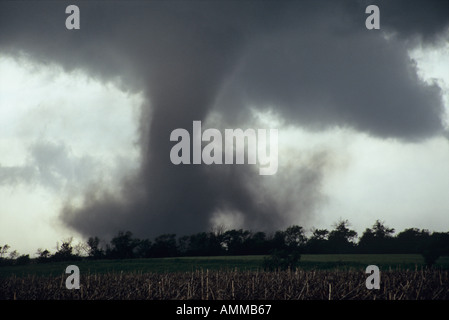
[
  {"x": 321, "y": 277},
  {"x": 234, "y": 285},
  {"x": 242, "y": 263}
]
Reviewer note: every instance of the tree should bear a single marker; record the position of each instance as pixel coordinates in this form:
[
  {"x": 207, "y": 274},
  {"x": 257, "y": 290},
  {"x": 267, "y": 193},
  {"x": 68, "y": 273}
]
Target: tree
[
  {"x": 278, "y": 241},
  {"x": 43, "y": 255},
  {"x": 201, "y": 244},
  {"x": 165, "y": 246},
  {"x": 318, "y": 242},
  {"x": 381, "y": 231},
  {"x": 65, "y": 252},
  {"x": 123, "y": 245},
  {"x": 294, "y": 237},
  {"x": 94, "y": 251},
  {"x": 4, "y": 250},
  {"x": 184, "y": 245},
  {"x": 198, "y": 244},
  {"x": 378, "y": 239},
  {"x": 411, "y": 240},
  {"x": 143, "y": 249},
  {"x": 258, "y": 243},
  {"x": 13, "y": 255},
  {"x": 287, "y": 247},
  {"x": 341, "y": 238},
  {"x": 320, "y": 234},
  {"x": 367, "y": 242},
  {"x": 81, "y": 249},
  {"x": 23, "y": 259},
  {"x": 235, "y": 241},
  {"x": 436, "y": 246}
]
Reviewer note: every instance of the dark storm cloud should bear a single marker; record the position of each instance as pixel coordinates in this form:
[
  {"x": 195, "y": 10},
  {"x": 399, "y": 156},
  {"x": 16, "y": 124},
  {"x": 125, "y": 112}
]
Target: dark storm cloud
[
  {"x": 411, "y": 18},
  {"x": 356, "y": 79},
  {"x": 326, "y": 68},
  {"x": 313, "y": 63}
]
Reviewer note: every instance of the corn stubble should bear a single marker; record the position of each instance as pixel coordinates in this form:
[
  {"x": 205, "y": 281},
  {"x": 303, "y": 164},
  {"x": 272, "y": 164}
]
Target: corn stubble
[{"x": 234, "y": 285}]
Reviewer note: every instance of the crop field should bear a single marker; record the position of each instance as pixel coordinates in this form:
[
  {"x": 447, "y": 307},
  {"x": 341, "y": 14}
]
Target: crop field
[
  {"x": 320, "y": 277},
  {"x": 254, "y": 263},
  {"x": 234, "y": 285}
]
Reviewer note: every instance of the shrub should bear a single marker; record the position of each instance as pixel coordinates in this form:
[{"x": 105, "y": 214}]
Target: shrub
[
  {"x": 23, "y": 259},
  {"x": 282, "y": 260},
  {"x": 430, "y": 256}
]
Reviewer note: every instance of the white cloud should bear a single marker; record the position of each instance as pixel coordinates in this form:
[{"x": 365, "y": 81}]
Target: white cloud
[
  {"x": 433, "y": 66},
  {"x": 59, "y": 133},
  {"x": 405, "y": 185}
]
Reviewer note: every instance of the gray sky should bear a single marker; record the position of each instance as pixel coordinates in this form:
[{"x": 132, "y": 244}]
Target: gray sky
[{"x": 86, "y": 115}]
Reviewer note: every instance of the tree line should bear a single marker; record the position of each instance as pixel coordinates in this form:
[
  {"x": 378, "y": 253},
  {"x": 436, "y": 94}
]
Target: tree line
[{"x": 283, "y": 245}]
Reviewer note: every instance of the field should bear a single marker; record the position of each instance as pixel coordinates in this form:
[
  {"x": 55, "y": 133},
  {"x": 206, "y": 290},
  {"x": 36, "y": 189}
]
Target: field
[{"x": 320, "y": 277}]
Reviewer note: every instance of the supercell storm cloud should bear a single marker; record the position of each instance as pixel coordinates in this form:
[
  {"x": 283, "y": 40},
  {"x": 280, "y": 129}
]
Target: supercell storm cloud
[{"x": 312, "y": 64}]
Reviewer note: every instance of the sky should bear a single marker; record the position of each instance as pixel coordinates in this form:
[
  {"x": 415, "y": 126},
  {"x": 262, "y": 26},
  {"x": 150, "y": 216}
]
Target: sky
[{"x": 86, "y": 116}]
